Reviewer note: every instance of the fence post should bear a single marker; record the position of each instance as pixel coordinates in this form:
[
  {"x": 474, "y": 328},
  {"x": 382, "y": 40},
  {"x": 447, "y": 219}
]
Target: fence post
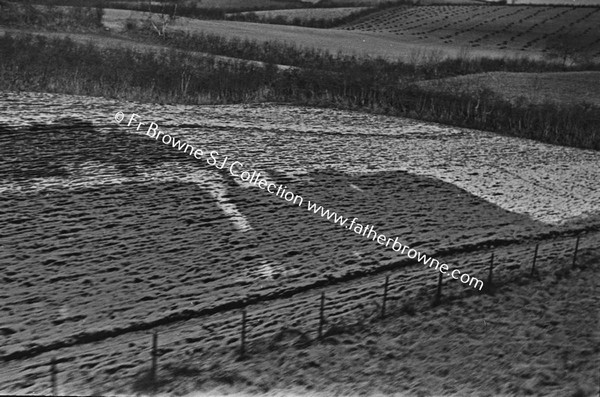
[
  {"x": 385, "y": 291},
  {"x": 53, "y": 376},
  {"x": 491, "y": 270},
  {"x": 575, "y": 253},
  {"x": 154, "y": 354},
  {"x": 438, "y": 293},
  {"x": 533, "y": 270},
  {"x": 243, "y": 337},
  {"x": 322, "y": 315}
]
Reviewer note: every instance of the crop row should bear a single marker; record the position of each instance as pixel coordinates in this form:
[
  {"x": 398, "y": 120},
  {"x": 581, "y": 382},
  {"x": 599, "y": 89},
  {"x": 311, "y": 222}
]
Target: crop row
[{"x": 502, "y": 27}]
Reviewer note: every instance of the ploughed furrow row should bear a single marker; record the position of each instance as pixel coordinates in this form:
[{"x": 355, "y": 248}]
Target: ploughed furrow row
[
  {"x": 345, "y": 305},
  {"x": 498, "y": 28},
  {"x": 413, "y": 281}
]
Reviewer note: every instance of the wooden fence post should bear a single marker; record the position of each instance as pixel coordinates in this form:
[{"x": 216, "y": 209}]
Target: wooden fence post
[
  {"x": 243, "y": 337},
  {"x": 322, "y": 315},
  {"x": 53, "y": 376},
  {"x": 490, "y": 282},
  {"x": 154, "y": 354},
  {"x": 489, "y": 287},
  {"x": 575, "y": 253},
  {"x": 535, "y": 253},
  {"x": 438, "y": 293},
  {"x": 385, "y": 291}
]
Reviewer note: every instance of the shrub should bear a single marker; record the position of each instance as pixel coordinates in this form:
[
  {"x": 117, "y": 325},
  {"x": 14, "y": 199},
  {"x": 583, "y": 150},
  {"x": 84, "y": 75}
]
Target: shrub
[
  {"x": 567, "y": 49},
  {"x": 60, "y": 65},
  {"x": 50, "y": 17},
  {"x": 131, "y": 24}
]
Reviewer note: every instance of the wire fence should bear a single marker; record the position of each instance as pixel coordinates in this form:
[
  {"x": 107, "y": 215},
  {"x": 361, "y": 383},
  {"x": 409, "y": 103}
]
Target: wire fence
[{"x": 324, "y": 315}]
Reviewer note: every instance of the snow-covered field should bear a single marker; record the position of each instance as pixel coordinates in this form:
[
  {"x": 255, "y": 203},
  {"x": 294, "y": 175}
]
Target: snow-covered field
[{"x": 107, "y": 234}]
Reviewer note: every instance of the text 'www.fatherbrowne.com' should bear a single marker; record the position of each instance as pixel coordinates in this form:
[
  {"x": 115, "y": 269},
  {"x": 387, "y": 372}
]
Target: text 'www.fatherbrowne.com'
[{"x": 236, "y": 169}]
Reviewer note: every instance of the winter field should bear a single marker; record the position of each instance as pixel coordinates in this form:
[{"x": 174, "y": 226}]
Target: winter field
[
  {"x": 108, "y": 235},
  {"x": 491, "y": 28}
]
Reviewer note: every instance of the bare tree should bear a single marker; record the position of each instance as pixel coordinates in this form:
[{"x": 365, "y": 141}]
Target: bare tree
[
  {"x": 166, "y": 15},
  {"x": 567, "y": 48}
]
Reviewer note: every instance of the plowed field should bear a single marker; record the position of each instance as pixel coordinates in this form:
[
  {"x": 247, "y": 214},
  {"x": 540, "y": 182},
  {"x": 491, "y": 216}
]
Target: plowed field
[
  {"x": 107, "y": 235},
  {"x": 499, "y": 28}
]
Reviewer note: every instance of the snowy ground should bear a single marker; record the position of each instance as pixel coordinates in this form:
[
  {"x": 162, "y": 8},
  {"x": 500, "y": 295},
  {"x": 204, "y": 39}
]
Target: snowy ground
[{"x": 108, "y": 235}]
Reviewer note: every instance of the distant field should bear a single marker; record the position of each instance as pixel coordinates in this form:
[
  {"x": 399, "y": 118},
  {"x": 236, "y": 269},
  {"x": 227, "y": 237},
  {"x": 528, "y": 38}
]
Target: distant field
[
  {"x": 233, "y": 4},
  {"x": 496, "y": 28},
  {"x": 309, "y": 13},
  {"x": 565, "y": 87},
  {"x": 356, "y": 42},
  {"x": 483, "y": 30}
]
